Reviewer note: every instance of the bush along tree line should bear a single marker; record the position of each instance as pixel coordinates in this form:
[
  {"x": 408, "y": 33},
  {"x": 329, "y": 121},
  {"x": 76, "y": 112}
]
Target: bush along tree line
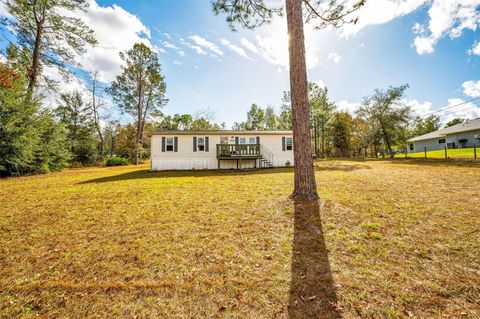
[
  {"x": 38, "y": 136},
  {"x": 38, "y": 139}
]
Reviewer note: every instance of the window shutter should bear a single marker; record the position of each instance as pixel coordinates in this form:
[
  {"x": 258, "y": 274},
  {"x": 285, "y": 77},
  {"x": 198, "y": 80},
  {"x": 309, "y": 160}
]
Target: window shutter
[
  {"x": 236, "y": 139},
  {"x": 175, "y": 144},
  {"x": 284, "y": 143},
  {"x": 194, "y": 143},
  {"x": 206, "y": 144},
  {"x": 163, "y": 143},
  {"x": 258, "y": 139}
]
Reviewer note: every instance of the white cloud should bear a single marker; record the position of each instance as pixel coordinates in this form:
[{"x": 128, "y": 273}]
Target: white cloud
[
  {"x": 419, "y": 108},
  {"x": 108, "y": 22},
  {"x": 4, "y": 11},
  {"x": 234, "y": 48},
  {"x": 418, "y": 28},
  {"x": 204, "y": 43},
  {"x": 447, "y": 17},
  {"x": 177, "y": 62},
  {"x": 249, "y": 45},
  {"x": 158, "y": 49},
  {"x": 346, "y": 106},
  {"x": 335, "y": 57},
  {"x": 467, "y": 110},
  {"x": 423, "y": 45},
  {"x": 475, "y": 49},
  {"x": 455, "y": 108},
  {"x": 320, "y": 83},
  {"x": 471, "y": 88},
  {"x": 197, "y": 48},
  {"x": 272, "y": 45},
  {"x": 67, "y": 86},
  {"x": 170, "y": 45},
  {"x": 376, "y": 12}
]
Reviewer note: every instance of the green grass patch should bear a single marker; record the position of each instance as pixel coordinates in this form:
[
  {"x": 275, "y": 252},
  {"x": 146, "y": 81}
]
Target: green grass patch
[{"x": 467, "y": 153}]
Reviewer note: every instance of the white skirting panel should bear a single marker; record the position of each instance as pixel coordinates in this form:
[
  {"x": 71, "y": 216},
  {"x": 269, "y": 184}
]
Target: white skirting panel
[
  {"x": 280, "y": 161},
  {"x": 183, "y": 164},
  {"x": 208, "y": 163}
]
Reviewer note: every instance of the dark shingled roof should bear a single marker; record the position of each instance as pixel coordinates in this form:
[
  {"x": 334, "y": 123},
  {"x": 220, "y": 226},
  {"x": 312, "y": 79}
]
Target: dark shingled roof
[{"x": 222, "y": 132}]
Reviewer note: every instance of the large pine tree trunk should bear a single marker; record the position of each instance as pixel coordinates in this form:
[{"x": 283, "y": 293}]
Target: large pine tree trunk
[
  {"x": 305, "y": 186},
  {"x": 33, "y": 73}
]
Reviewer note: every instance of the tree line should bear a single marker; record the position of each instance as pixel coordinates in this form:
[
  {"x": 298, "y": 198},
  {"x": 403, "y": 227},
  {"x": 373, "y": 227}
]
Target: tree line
[
  {"x": 35, "y": 138},
  {"x": 380, "y": 127}
]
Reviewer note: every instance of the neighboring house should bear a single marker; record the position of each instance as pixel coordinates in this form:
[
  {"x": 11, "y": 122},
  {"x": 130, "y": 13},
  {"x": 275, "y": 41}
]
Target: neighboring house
[
  {"x": 189, "y": 150},
  {"x": 458, "y": 136}
]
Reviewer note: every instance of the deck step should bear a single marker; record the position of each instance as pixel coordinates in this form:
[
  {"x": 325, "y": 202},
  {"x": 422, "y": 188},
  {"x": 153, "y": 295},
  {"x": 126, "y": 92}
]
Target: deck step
[{"x": 266, "y": 163}]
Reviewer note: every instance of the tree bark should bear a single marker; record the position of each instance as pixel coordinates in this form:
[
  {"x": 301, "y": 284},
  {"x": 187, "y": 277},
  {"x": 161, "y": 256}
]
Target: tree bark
[
  {"x": 323, "y": 138},
  {"x": 305, "y": 187},
  {"x": 96, "y": 116},
  {"x": 33, "y": 74}
]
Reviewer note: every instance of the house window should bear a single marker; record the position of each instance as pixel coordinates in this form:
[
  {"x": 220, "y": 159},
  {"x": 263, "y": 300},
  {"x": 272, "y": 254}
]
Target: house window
[
  {"x": 201, "y": 144},
  {"x": 411, "y": 147},
  {"x": 441, "y": 141},
  {"x": 224, "y": 140},
  {"x": 169, "y": 144},
  {"x": 252, "y": 140},
  {"x": 242, "y": 140},
  {"x": 289, "y": 143}
]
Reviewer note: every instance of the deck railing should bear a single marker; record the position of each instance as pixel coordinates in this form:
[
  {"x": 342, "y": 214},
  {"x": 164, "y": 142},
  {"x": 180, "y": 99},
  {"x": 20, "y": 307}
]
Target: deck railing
[{"x": 238, "y": 150}]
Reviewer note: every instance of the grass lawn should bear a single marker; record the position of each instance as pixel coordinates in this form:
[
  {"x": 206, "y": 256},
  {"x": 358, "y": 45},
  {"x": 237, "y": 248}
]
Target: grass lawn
[
  {"x": 451, "y": 153},
  {"x": 393, "y": 239}
]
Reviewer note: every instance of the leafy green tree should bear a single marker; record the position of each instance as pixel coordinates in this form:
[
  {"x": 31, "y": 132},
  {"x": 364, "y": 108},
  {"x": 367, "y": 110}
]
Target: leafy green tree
[
  {"x": 183, "y": 121},
  {"x": 285, "y": 117},
  {"x": 110, "y": 134},
  {"x": 425, "y": 125},
  {"x": 175, "y": 122},
  {"x": 204, "y": 124},
  {"x": 342, "y": 128},
  {"x": 75, "y": 115},
  {"x": 271, "y": 119},
  {"x": 255, "y": 118},
  {"x": 321, "y": 110},
  {"x": 126, "y": 142},
  {"x": 51, "y": 31},
  {"x": 254, "y": 13},
  {"x": 30, "y": 141},
  {"x": 455, "y": 121},
  {"x": 140, "y": 89},
  {"x": 384, "y": 110},
  {"x": 361, "y": 137},
  {"x": 94, "y": 106},
  {"x": 52, "y": 153}
]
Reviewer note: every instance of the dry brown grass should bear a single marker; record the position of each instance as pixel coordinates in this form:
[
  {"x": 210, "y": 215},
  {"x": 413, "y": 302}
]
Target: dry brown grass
[{"x": 396, "y": 239}]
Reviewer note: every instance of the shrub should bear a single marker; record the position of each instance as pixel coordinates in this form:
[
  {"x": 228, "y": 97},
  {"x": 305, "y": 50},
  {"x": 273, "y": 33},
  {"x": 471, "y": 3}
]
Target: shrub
[{"x": 117, "y": 161}]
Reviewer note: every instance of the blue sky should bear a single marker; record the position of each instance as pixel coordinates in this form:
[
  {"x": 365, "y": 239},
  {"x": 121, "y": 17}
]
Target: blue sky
[{"x": 431, "y": 45}]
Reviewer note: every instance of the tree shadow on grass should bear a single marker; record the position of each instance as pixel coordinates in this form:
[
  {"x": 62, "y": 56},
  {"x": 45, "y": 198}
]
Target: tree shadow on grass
[
  {"x": 312, "y": 291},
  {"x": 145, "y": 174},
  {"x": 322, "y": 166}
]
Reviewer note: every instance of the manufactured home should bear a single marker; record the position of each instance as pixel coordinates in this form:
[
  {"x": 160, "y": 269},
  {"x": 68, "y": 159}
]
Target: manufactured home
[
  {"x": 226, "y": 149},
  {"x": 462, "y": 135}
]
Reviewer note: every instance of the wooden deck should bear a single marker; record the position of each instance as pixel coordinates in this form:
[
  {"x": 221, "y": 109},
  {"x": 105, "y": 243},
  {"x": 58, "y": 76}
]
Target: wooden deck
[{"x": 239, "y": 152}]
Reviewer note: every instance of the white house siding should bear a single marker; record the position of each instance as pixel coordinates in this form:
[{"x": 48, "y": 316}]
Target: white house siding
[
  {"x": 186, "y": 159},
  {"x": 433, "y": 144}
]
